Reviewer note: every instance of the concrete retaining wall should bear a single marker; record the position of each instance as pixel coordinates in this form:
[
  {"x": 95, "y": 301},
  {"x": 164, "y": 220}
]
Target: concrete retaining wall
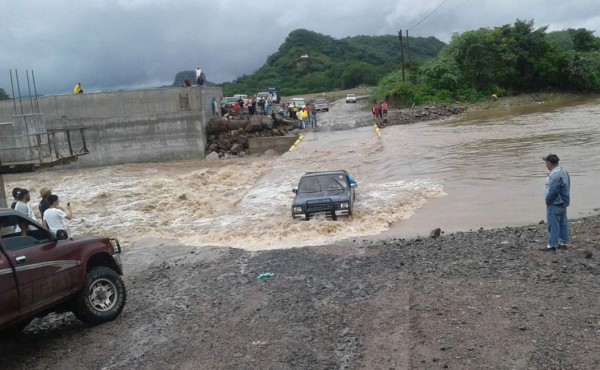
[
  {"x": 259, "y": 145},
  {"x": 127, "y": 126}
]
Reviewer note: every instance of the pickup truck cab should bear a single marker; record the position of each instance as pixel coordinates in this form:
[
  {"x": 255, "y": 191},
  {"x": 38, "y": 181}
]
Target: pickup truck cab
[
  {"x": 330, "y": 193},
  {"x": 40, "y": 274}
]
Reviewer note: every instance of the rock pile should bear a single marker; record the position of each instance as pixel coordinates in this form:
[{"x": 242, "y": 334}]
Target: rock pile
[
  {"x": 425, "y": 113},
  {"x": 229, "y": 136}
]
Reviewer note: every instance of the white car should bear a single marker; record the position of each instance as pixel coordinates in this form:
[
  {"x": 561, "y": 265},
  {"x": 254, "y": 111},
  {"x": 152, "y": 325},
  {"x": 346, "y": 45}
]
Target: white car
[
  {"x": 351, "y": 98},
  {"x": 300, "y": 102}
]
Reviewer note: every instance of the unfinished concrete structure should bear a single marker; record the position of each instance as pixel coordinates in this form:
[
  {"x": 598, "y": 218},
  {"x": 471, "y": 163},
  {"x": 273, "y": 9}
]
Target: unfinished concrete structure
[{"x": 120, "y": 127}]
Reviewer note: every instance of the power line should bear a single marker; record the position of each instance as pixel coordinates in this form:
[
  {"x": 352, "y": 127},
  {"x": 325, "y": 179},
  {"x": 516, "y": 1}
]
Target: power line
[
  {"x": 448, "y": 12},
  {"x": 427, "y": 16}
]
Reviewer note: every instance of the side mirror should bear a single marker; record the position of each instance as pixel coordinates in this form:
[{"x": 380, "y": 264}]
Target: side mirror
[
  {"x": 353, "y": 185},
  {"x": 295, "y": 191}
]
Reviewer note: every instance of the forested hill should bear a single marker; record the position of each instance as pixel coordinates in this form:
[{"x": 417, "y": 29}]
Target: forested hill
[{"x": 311, "y": 62}]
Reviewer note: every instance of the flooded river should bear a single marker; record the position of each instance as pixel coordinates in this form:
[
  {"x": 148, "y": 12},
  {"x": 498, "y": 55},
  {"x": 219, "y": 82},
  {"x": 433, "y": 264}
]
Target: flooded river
[{"x": 481, "y": 170}]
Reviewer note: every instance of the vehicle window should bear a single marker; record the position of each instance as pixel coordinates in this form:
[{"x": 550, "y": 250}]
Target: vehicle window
[
  {"x": 14, "y": 240},
  {"x": 315, "y": 184},
  {"x": 309, "y": 185}
]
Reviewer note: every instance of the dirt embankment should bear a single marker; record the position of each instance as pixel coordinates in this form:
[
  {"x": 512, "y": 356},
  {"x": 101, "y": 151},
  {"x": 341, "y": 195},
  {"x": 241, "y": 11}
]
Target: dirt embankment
[{"x": 484, "y": 299}]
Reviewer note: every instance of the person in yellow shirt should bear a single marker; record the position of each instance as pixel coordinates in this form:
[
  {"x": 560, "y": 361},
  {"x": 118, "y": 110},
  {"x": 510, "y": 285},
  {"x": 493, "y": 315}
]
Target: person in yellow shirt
[
  {"x": 304, "y": 117},
  {"x": 78, "y": 89}
]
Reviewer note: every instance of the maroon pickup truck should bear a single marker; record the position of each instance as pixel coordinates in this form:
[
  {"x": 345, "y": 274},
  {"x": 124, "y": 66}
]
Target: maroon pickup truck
[{"x": 40, "y": 274}]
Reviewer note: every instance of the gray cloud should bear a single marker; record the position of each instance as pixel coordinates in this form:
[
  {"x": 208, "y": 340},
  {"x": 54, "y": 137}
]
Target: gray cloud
[{"x": 113, "y": 44}]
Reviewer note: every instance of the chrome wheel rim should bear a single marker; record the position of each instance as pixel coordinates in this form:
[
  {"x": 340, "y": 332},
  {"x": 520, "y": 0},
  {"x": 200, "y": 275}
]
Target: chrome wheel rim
[{"x": 103, "y": 295}]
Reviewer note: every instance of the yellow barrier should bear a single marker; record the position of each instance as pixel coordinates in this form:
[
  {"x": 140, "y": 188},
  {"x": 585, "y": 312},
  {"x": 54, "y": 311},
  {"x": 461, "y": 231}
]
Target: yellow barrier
[
  {"x": 295, "y": 145},
  {"x": 377, "y": 130}
]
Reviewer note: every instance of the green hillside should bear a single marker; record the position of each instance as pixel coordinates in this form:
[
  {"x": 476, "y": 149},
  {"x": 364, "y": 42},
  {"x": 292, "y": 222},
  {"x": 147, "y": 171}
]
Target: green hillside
[{"x": 310, "y": 62}]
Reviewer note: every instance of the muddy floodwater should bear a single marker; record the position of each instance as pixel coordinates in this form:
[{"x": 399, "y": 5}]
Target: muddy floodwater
[{"x": 482, "y": 169}]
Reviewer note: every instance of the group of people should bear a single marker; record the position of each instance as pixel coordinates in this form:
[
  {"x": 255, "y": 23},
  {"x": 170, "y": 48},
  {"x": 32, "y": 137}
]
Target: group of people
[
  {"x": 303, "y": 115},
  {"x": 51, "y": 213},
  {"x": 380, "y": 110},
  {"x": 261, "y": 106}
]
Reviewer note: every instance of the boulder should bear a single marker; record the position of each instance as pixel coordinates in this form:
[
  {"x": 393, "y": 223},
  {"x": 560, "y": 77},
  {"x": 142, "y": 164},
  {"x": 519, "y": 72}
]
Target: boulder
[
  {"x": 213, "y": 147},
  {"x": 267, "y": 123},
  {"x": 217, "y": 126},
  {"x": 242, "y": 139},
  {"x": 236, "y": 124},
  {"x": 212, "y": 156},
  {"x": 254, "y": 124},
  {"x": 237, "y": 148}
]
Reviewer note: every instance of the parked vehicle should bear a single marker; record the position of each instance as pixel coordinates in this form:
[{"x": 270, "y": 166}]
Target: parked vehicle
[
  {"x": 228, "y": 102},
  {"x": 300, "y": 102},
  {"x": 321, "y": 105},
  {"x": 241, "y": 96},
  {"x": 263, "y": 95},
  {"x": 275, "y": 94},
  {"x": 330, "y": 193},
  {"x": 350, "y": 98},
  {"x": 40, "y": 274}
]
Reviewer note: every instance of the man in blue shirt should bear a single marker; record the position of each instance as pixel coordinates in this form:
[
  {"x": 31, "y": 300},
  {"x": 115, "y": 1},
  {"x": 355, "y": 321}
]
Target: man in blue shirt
[{"x": 557, "y": 197}]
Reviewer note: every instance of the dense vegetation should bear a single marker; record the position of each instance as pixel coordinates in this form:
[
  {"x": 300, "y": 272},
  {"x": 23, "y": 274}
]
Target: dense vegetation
[
  {"x": 329, "y": 64},
  {"x": 504, "y": 60},
  {"x": 3, "y": 94}
]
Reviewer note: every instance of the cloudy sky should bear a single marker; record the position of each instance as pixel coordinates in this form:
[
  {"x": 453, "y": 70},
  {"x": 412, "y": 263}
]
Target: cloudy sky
[{"x": 114, "y": 44}]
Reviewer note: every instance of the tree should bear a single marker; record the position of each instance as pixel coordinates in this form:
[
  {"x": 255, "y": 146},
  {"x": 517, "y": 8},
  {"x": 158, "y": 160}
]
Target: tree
[{"x": 3, "y": 94}]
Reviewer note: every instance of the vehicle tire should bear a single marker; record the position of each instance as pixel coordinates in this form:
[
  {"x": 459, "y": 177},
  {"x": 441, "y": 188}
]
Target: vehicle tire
[{"x": 103, "y": 297}]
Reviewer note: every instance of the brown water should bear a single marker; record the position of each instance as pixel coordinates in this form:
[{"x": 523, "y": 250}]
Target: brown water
[{"x": 482, "y": 170}]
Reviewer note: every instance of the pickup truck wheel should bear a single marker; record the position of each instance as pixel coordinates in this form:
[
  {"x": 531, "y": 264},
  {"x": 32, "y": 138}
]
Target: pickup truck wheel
[{"x": 103, "y": 297}]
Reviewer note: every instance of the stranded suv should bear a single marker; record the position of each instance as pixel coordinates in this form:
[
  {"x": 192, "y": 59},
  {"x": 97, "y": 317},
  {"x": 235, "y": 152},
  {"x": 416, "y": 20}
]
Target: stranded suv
[
  {"x": 40, "y": 274},
  {"x": 330, "y": 193}
]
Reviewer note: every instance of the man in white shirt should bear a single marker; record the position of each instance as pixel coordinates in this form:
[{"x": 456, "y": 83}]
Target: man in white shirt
[
  {"x": 199, "y": 76},
  {"x": 54, "y": 216}
]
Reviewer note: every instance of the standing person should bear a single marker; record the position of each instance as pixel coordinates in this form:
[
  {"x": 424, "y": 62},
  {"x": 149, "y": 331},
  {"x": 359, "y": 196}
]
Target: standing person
[
  {"x": 241, "y": 103},
  {"x": 78, "y": 89},
  {"x": 380, "y": 111},
  {"x": 23, "y": 198},
  {"x": 15, "y": 195},
  {"x": 186, "y": 82},
  {"x": 384, "y": 108},
  {"x": 44, "y": 193},
  {"x": 199, "y": 76},
  {"x": 269, "y": 105},
  {"x": 376, "y": 111},
  {"x": 304, "y": 116},
  {"x": 54, "y": 216},
  {"x": 236, "y": 108},
  {"x": 557, "y": 197},
  {"x": 215, "y": 107},
  {"x": 313, "y": 116},
  {"x": 22, "y": 206}
]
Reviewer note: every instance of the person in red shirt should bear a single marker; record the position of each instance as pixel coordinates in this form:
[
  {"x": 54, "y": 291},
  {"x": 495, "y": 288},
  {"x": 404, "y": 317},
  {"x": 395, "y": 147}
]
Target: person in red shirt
[
  {"x": 236, "y": 108},
  {"x": 376, "y": 110}
]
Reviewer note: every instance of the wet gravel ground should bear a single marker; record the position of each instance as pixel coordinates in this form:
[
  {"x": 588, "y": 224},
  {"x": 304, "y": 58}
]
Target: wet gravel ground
[{"x": 486, "y": 299}]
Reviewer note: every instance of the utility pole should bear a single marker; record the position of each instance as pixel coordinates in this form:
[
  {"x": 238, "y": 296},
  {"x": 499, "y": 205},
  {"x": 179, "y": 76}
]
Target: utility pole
[
  {"x": 412, "y": 77},
  {"x": 401, "y": 55}
]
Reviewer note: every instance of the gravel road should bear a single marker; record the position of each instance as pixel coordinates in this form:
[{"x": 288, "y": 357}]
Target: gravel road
[{"x": 486, "y": 299}]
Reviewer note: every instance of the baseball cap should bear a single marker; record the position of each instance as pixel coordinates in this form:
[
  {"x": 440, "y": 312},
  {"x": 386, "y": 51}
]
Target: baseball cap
[{"x": 552, "y": 158}]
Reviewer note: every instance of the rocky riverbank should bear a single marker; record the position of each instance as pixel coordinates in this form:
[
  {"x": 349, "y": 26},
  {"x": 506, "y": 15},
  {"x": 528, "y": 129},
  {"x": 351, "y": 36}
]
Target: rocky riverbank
[
  {"x": 228, "y": 136},
  {"x": 482, "y": 299}
]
